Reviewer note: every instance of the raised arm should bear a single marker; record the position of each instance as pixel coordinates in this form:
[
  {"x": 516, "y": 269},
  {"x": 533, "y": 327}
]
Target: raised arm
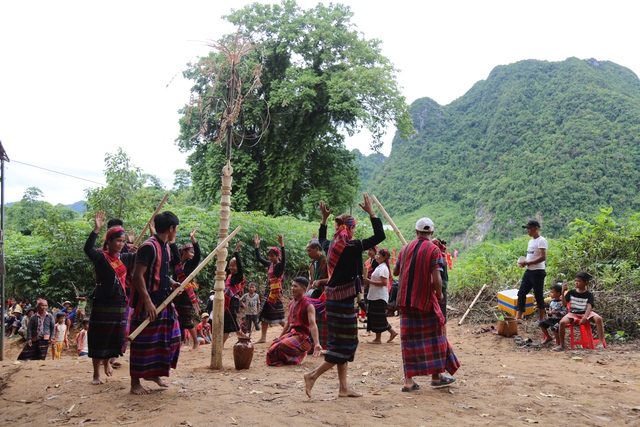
[
  {"x": 322, "y": 231},
  {"x": 256, "y": 243},
  {"x": 89, "y": 246},
  {"x": 378, "y": 230}
]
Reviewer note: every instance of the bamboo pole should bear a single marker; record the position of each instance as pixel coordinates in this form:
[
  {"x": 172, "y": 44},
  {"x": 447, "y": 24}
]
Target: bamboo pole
[
  {"x": 471, "y": 306},
  {"x": 393, "y": 224},
  {"x": 186, "y": 281},
  {"x": 144, "y": 230}
]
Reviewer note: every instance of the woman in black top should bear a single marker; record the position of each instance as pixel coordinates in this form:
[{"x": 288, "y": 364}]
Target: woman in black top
[
  {"x": 188, "y": 258},
  {"x": 108, "y": 319},
  {"x": 345, "y": 282}
]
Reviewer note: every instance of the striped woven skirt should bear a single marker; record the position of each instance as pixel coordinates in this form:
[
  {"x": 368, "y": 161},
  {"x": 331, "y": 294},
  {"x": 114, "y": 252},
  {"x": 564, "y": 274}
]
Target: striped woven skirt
[
  {"x": 231, "y": 316},
  {"x": 36, "y": 351},
  {"x": 108, "y": 326},
  {"x": 185, "y": 310},
  {"x": 288, "y": 350},
  {"x": 377, "y": 316},
  {"x": 272, "y": 313},
  {"x": 425, "y": 348},
  {"x": 342, "y": 340},
  {"x": 156, "y": 350}
]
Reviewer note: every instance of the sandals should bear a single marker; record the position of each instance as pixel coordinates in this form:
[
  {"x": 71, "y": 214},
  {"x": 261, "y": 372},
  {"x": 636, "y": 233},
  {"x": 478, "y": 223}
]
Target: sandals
[
  {"x": 445, "y": 380},
  {"x": 414, "y": 387}
]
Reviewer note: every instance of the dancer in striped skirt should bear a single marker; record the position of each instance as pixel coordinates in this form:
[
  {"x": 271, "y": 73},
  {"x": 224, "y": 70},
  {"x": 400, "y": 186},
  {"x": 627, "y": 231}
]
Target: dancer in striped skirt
[
  {"x": 345, "y": 281},
  {"x": 272, "y": 307},
  {"x": 155, "y": 351}
]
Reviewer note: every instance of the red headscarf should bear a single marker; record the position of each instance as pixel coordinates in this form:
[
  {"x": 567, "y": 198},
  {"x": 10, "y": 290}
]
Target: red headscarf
[{"x": 344, "y": 233}]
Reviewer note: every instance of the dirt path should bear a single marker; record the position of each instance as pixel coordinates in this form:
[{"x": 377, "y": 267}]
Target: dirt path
[{"x": 498, "y": 384}]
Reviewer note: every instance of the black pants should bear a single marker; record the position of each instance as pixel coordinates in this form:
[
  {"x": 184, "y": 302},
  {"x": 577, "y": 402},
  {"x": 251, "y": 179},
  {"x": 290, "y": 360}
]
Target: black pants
[{"x": 532, "y": 279}]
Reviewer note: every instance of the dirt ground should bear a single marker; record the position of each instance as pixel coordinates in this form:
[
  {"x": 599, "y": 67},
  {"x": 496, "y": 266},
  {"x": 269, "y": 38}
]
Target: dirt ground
[{"x": 499, "y": 384}]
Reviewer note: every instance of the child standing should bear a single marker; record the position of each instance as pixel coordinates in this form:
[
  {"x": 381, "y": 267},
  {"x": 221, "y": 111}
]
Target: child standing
[
  {"x": 251, "y": 302},
  {"x": 582, "y": 304},
  {"x": 59, "y": 336},
  {"x": 555, "y": 313},
  {"x": 82, "y": 342}
]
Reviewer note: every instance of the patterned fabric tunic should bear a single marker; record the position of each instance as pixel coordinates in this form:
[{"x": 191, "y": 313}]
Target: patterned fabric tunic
[
  {"x": 272, "y": 310},
  {"x": 425, "y": 348},
  {"x": 292, "y": 347},
  {"x": 156, "y": 350}
]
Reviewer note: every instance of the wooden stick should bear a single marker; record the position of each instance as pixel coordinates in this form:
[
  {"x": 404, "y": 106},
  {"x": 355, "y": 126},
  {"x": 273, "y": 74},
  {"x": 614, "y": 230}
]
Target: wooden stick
[
  {"x": 393, "y": 224},
  {"x": 148, "y": 224},
  {"x": 471, "y": 306},
  {"x": 186, "y": 281}
]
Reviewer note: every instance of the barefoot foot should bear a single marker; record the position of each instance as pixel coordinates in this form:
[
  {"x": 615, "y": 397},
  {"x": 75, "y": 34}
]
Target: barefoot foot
[
  {"x": 108, "y": 370},
  {"x": 139, "y": 390},
  {"x": 308, "y": 382},
  {"x": 157, "y": 380},
  {"x": 349, "y": 393},
  {"x": 394, "y": 334},
  {"x": 97, "y": 380},
  {"x": 374, "y": 342}
]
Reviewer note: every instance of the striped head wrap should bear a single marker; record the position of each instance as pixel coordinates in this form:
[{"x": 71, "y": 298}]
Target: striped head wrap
[
  {"x": 344, "y": 233},
  {"x": 440, "y": 244},
  {"x": 186, "y": 247},
  {"x": 112, "y": 232},
  {"x": 275, "y": 250}
]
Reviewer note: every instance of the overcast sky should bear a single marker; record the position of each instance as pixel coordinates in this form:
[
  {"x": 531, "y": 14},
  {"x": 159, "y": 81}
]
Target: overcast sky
[{"x": 78, "y": 79}]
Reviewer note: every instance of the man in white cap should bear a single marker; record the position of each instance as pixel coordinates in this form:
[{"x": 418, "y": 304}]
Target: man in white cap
[
  {"x": 425, "y": 348},
  {"x": 533, "y": 277}
]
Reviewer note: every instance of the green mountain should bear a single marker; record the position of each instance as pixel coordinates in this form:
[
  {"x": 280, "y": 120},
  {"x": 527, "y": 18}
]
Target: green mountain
[{"x": 536, "y": 139}]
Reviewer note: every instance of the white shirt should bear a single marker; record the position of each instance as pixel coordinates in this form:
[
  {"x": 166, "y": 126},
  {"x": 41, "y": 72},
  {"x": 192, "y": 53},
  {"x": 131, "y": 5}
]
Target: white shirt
[
  {"x": 379, "y": 292},
  {"x": 533, "y": 252},
  {"x": 60, "y": 330}
]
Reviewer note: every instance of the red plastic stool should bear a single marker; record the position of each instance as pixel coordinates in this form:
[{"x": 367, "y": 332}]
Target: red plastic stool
[{"x": 586, "y": 335}]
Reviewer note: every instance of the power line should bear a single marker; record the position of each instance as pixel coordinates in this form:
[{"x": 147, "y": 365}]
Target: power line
[{"x": 61, "y": 173}]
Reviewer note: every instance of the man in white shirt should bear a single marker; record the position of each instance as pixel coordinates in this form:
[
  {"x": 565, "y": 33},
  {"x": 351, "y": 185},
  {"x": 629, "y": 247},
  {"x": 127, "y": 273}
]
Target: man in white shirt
[{"x": 535, "y": 273}]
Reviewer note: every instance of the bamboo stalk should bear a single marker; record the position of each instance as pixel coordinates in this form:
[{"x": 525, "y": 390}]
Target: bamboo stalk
[
  {"x": 471, "y": 306},
  {"x": 147, "y": 225},
  {"x": 393, "y": 224},
  {"x": 186, "y": 281}
]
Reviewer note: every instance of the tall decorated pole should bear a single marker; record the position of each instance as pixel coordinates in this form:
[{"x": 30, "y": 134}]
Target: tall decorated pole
[{"x": 221, "y": 121}]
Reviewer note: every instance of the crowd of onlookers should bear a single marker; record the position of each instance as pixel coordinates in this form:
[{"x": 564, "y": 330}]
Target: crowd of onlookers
[{"x": 19, "y": 323}]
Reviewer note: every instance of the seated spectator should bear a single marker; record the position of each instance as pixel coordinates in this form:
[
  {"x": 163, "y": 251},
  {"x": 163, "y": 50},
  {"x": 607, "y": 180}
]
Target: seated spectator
[
  {"x": 555, "y": 313},
  {"x": 582, "y": 304},
  {"x": 291, "y": 347},
  {"x": 25, "y": 323},
  {"x": 15, "y": 321}
]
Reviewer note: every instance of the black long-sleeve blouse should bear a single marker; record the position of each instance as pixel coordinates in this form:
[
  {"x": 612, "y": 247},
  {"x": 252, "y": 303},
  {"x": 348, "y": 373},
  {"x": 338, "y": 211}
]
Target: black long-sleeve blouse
[{"x": 350, "y": 265}]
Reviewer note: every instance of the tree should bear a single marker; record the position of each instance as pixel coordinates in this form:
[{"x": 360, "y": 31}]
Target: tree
[
  {"x": 22, "y": 215},
  {"x": 182, "y": 180},
  {"x": 124, "y": 180},
  {"x": 319, "y": 76}
]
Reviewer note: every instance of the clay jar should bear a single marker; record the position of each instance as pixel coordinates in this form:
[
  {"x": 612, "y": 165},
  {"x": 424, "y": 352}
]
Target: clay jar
[{"x": 243, "y": 353}]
